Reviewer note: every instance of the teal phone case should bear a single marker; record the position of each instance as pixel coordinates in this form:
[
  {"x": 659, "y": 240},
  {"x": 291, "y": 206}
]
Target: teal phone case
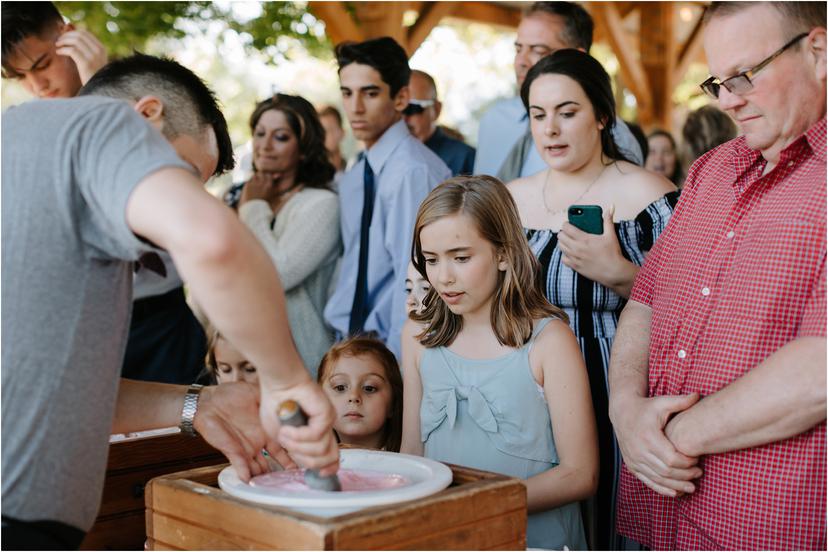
[{"x": 589, "y": 218}]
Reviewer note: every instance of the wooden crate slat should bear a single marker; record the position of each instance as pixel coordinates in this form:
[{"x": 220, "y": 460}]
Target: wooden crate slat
[
  {"x": 187, "y": 536},
  {"x": 202, "y": 505},
  {"x": 454, "y": 507},
  {"x": 477, "y": 535}
]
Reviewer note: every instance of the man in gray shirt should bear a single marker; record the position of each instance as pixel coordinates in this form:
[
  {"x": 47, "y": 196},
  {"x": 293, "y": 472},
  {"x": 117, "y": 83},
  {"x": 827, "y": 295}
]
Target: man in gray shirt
[{"x": 90, "y": 186}]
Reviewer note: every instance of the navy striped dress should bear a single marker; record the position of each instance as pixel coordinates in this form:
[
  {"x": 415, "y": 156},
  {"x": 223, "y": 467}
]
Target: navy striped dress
[{"x": 593, "y": 315}]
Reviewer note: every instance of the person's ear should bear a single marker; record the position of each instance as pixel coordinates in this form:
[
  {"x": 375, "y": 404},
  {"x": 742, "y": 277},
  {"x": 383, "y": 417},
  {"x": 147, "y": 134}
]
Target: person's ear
[
  {"x": 152, "y": 109},
  {"x": 438, "y": 108},
  {"x": 502, "y": 263},
  {"x": 816, "y": 47},
  {"x": 402, "y": 98},
  {"x": 602, "y": 123}
]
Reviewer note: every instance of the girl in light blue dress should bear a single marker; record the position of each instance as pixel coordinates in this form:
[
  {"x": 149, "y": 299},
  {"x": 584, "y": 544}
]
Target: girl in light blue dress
[{"x": 493, "y": 376}]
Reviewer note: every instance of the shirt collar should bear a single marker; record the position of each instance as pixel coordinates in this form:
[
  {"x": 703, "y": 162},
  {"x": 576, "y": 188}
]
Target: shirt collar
[
  {"x": 436, "y": 138},
  {"x": 813, "y": 138},
  {"x": 379, "y": 153}
]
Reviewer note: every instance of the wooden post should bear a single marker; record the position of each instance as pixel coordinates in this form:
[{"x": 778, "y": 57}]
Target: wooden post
[
  {"x": 608, "y": 18},
  {"x": 658, "y": 59}
]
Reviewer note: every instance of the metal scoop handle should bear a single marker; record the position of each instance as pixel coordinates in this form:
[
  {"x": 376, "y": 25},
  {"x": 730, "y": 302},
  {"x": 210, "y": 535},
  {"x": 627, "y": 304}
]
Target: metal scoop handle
[{"x": 290, "y": 413}]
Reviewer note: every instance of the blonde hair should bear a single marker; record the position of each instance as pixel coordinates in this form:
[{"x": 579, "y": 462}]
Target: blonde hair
[
  {"x": 518, "y": 299},
  {"x": 365, "y": 346}
]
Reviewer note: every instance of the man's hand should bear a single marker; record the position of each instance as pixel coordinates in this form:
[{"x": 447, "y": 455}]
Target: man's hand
[
  {"x": 639, "y": 426},
  {"x": 228, "y": 419},
  {"x": 85, "y": 50},
  {"x": 311, "y": 446}
]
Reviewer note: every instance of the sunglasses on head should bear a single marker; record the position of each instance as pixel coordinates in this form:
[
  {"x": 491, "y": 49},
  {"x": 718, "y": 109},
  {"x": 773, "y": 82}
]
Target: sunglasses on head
[{"x": 415, "y": 107}]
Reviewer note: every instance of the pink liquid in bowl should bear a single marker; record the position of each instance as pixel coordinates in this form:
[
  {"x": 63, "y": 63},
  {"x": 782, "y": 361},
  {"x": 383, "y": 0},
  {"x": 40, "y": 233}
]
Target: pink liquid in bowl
[{"x": 351, "y": 480}]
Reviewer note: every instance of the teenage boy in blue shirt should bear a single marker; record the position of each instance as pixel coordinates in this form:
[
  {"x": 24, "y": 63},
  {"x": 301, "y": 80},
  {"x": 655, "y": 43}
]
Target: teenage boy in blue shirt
[{"x": 380, "y": 195}]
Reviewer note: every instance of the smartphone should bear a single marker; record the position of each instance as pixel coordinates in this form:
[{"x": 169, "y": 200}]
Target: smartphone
[{"x": 589, "y": 218}]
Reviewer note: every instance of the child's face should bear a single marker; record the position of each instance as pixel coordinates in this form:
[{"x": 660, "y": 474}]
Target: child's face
[
  {"x": 416, "y": 288},
  {"x": 231, "y": 365},
  {"x": 461, "y": 264},
  {"x": 361, "y": 395}
]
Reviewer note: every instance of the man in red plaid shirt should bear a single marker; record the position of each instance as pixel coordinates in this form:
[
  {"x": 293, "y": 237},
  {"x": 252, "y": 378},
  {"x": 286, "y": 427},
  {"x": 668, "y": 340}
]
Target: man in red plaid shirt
[{"x": 718, "y": 376}]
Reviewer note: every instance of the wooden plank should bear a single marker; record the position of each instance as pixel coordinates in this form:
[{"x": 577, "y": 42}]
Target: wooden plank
[
  {"x": 377, "y": 19},
  {"x": 190, "y": 536},
  {"x": 658, "y": 60},
  {"x": 487, "y": 12},
  {"x": 632, "y": 71},
  {"x": 477, "y": 535},
  {"x": 204, "y": 506},
  {"x": 430, "y": 16},
  {"x": 339, "y": 25},
  {"x": 454, "y": 507},
  {"x": 692, "y": 50}
]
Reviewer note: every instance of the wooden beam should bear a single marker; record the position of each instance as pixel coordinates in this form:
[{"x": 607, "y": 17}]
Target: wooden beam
[
  {"x": 692, "y": 50},
  {"x": 606, "y": 16},
  {"x": 658, "y": 60},
  {"x": 381, "y": 19},
  {"x": 485, "y": 12},
  {"x": 339, "y": 25},
  {"x": 430, "y": 15}
]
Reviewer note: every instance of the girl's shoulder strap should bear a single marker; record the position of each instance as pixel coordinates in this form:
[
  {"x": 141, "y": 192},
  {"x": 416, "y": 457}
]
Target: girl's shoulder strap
[{"x": 539, "y": 326}]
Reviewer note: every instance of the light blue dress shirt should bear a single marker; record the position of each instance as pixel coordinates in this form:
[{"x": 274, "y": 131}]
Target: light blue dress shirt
[
  {"x": 504, "y": 124},
  {"x": 405, "y": 171}
]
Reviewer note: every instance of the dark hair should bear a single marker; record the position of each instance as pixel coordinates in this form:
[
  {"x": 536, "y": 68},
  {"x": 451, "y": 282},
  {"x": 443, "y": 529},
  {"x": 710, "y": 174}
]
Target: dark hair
[
  {"x": 640, "y": 137},
  {"x": 383, "y": 54},
  {"x": 189, "y": 105},
  {"x": 330, "y": 110},
  {"x": 518, "y": 299},
  {"x": 578, "y": 25},
  {"x": 22, "y": 20},
  {"x": 592, "y": 78},
  {"x": 362, "y": 345},
  {"x": 677, "y": 177},
  {"x": 797, "y": 17},
  {"x": 314, "y": 170},
  {"x": 704, "y": 129}
]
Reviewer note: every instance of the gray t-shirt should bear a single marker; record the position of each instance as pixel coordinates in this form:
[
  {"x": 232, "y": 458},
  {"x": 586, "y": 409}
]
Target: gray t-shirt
[{"x": 68, "y": 168}]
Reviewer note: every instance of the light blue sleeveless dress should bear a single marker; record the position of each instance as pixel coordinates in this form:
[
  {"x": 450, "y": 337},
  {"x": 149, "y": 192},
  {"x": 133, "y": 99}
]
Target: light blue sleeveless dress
[{"x": 492, "y": 415}]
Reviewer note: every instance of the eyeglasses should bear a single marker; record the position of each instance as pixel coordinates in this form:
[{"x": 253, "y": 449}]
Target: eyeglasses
[
  {"x": 741, "y": 83},
  {"x": 415, "y": 107}
]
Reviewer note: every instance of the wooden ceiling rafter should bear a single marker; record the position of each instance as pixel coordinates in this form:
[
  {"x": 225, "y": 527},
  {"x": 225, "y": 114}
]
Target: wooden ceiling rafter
[
  {"x": 607, "y": 16},
  {"x": 430, "y": 16},
  {"x": 692, "y": 49}
]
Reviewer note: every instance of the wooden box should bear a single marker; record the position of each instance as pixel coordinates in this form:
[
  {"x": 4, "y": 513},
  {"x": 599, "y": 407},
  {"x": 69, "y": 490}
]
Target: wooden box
[
  {"x": 478, "y": 511},
  {"x": 131, "y": 464}
]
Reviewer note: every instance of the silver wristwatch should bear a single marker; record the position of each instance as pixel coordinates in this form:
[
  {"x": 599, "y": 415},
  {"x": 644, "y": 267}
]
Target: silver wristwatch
[{"x": 189, "y": 411}]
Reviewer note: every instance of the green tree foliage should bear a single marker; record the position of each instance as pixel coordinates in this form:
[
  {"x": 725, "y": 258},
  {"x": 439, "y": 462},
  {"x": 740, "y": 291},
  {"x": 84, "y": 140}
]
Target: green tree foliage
[{"x": 127, "y": 26}]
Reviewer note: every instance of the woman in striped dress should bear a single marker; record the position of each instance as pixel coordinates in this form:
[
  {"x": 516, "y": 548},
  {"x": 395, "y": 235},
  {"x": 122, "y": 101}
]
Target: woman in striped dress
[{"x": 571, "y": 111}]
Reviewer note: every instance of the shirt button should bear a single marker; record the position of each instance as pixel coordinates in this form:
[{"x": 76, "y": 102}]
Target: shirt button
[
  {"x": 706, "y": 291},
  {"x": 790, "y": 163},
  {"x": 730, "y": 234},
  {"x": 682, "y": 353}
]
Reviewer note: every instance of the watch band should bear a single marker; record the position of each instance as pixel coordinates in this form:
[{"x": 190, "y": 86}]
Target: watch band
[{"x": 189, "y": 411}]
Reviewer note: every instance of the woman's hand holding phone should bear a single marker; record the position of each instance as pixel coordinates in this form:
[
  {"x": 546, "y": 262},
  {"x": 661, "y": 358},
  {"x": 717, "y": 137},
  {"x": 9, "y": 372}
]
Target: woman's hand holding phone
[{"x": 597, "y": 256}]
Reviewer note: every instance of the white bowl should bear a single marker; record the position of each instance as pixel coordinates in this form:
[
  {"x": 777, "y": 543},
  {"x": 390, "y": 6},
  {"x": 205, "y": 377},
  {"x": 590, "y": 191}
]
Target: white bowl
[{"x": 427, "y": 477}]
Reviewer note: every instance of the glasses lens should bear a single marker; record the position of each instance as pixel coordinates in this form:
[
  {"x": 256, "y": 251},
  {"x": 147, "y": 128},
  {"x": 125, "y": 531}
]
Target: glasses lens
[
  {"x": 738, "y": 84},
  {"x": 413, "y": 109},
  {"x": 711, "y": 88}
]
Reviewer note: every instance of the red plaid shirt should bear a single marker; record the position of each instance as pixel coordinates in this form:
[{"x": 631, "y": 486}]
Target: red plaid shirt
[{"x": 738, "y": 273}]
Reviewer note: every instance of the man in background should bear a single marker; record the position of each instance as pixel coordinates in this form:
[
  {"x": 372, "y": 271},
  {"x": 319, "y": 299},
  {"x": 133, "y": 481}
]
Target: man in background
[{"x": 421, "y": 117}]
